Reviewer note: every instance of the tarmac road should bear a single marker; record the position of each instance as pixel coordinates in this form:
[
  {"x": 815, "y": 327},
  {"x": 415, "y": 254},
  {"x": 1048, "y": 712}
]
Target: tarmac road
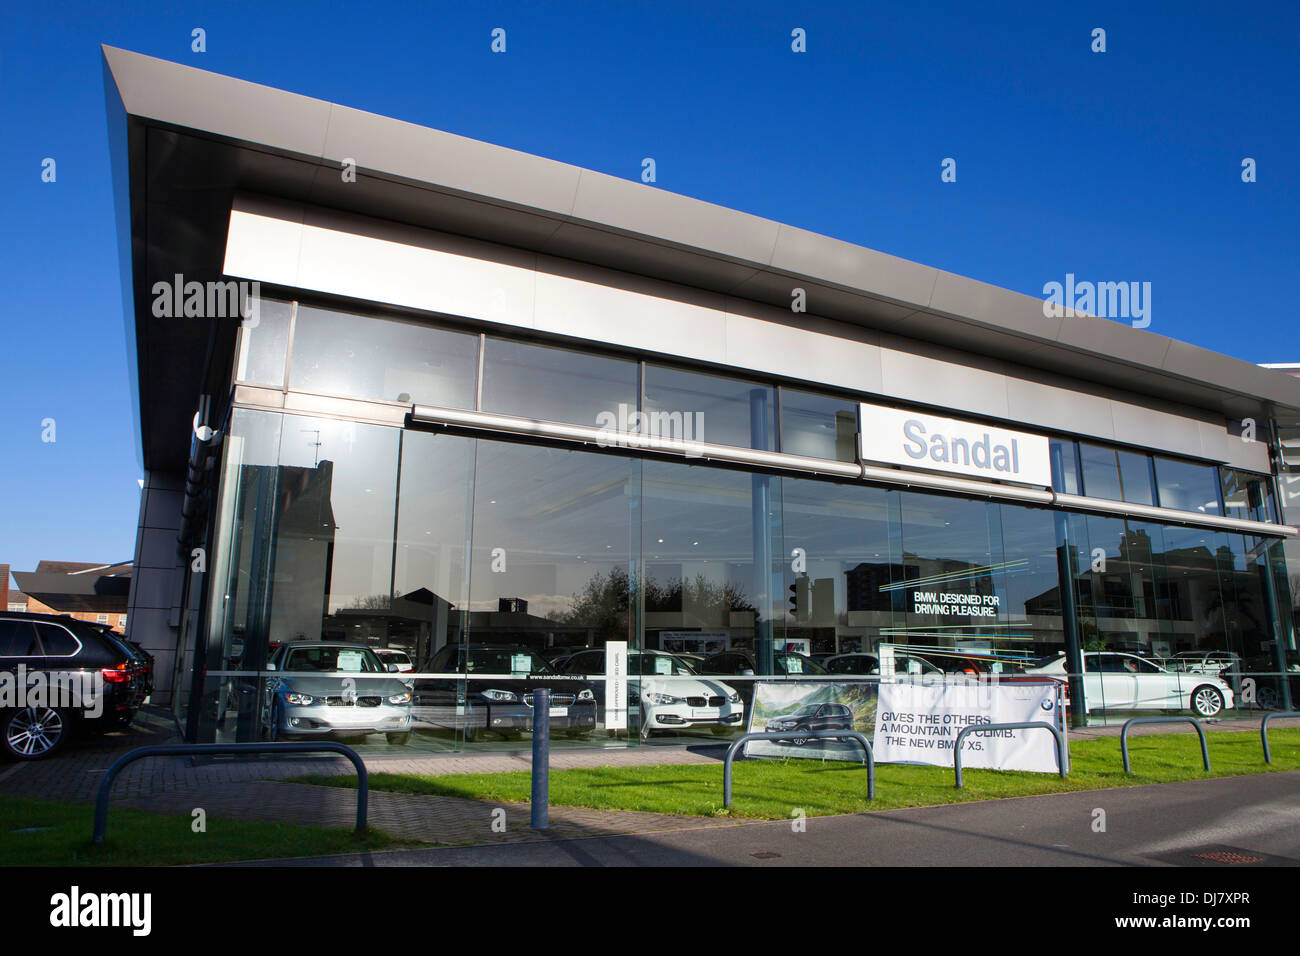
[{"x": 1237, "y": 821}]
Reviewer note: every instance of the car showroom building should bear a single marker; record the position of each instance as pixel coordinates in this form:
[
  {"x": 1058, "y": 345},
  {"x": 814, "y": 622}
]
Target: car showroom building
[{"x": 472, "y": 396}]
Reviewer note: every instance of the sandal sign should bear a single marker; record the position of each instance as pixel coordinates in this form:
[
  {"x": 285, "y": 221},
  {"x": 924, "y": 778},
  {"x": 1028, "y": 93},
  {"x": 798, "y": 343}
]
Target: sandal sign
[{"x": 897, "y": 437}]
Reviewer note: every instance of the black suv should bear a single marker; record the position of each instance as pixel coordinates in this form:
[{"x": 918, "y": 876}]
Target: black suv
[
  {"x": 812, "y": 717},
  {"x": 66, "y": 675}
]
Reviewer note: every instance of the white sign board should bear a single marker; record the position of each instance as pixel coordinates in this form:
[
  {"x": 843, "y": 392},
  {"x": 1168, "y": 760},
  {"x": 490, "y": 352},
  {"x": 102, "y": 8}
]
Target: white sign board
[
  {"x": 616, "y": 685},
  {"x": 695, "y": 642},
  {"x": 893, "y": 436},
  {"x": 919, "y": 723}
]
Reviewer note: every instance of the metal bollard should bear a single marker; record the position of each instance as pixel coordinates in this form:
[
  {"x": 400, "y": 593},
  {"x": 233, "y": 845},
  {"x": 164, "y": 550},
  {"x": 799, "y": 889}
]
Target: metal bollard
[{"x": 541, "y": 758}]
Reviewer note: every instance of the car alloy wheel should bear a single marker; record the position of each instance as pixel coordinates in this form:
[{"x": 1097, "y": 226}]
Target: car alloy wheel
[
  {"x": 800, "y": 741},
  {"x": 34, "y": 732},
  {"x": 1268, "y": 698},
  {"x": 1207, "y": 701}
]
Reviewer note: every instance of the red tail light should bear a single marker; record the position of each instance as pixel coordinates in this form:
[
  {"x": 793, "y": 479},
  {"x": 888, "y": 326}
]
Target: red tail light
[{"x": 115, "y": 675}]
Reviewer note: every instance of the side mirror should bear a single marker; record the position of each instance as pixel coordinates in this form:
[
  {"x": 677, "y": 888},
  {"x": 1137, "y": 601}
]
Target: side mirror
[
  {"x": 270, "y": 667},
  {"x": 393, "y": 668},
  {"x": 747, "y": 673}
]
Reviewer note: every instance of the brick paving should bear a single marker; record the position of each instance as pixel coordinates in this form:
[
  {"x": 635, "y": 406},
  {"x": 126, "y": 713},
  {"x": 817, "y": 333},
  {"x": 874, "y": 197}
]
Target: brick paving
[{"x": 260, "y": 789}]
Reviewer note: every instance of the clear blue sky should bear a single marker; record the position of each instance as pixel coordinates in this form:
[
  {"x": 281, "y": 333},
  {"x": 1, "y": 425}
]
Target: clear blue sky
[{"x": 1116, "y": 166}]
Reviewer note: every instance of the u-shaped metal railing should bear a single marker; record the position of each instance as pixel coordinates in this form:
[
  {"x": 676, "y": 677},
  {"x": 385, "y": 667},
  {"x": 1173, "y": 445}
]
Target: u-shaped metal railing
[
  {"x": 798, "y": 735},
  {"x": 1263, "y": 730},
  {"x": 195, "y": 750},
  {"x": 977, "y": 728},
  {"x": 1123, "y": 735}
]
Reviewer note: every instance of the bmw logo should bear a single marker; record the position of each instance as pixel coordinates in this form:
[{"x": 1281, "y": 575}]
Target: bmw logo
[{"x": 1047, "y": 705}]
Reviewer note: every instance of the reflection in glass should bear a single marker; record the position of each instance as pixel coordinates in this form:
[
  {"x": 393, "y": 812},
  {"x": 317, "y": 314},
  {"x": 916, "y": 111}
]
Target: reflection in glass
[
  {"x": 430, "y": 576},
  {"x": 337, "y": 353},
  {"x": 262, "y": 347},
  {"x": 818, "y": 426},
  {"x": 839, "y": 602},
  {"x": 1247, "y": 495},
  {"x": 1116, "y": 474},
  {"x": 557, "y": 385},
  {"x": 723, "y": 411},
  {"x": 551, "y": 570},
  {"x": 1065, "y": 467},
  {"x": 1186, "y": 486}
]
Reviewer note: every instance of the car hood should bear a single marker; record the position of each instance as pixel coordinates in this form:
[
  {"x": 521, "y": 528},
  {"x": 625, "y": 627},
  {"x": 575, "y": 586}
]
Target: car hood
[{"x": 321, "y": 686}]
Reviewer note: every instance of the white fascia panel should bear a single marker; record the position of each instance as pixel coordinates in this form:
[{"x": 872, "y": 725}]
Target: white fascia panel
[
  {"x": 600, "y": 313},
  {"x": 339, "y": 262},
  {"x": 263, "y": 248}
]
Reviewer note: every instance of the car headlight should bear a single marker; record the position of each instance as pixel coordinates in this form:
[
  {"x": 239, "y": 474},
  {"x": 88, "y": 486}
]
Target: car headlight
[
  {"x": 586, "y": 694},
  {"x": 734, "y": 698},
  {"x": 290, "y": 697},
  {"x": 500, "y": 696},
  {"x": 400, "y": 699},
  {"x": 663, "y": 699}
]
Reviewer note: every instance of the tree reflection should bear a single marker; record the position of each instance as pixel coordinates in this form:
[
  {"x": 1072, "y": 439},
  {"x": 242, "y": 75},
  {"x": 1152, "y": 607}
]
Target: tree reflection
[{"x": 604, "y": 601}]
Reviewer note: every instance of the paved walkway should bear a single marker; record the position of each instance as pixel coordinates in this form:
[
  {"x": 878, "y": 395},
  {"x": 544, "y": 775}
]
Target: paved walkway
[
  {"x": 258, "y": 789},
  {"x": 1229, "y": 822}
]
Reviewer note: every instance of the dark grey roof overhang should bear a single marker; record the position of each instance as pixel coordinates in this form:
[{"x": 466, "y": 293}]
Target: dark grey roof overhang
[
  {"x": 184, "y": 141},
  {"x": 84, "y": 591}
]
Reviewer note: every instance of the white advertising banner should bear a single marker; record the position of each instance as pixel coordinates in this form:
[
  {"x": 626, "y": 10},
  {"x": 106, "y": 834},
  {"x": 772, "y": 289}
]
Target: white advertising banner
[
  {"x": 893, "y": 436},
  {"x": 919, "y": 723},
  {"x": 616, "y": 685}
]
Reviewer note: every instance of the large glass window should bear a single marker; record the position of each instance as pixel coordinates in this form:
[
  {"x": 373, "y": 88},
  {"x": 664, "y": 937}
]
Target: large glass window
[
  {"x": 723, "y": 411},
  {"x": 1065, "y": 466},
  {"x": 305, "y": 551},
  {"x": 264, "y": 346},
  {"x": 504, "y": 564},
  {"x": 1247, "y": 495},
  {"x": 951, "y": 559},
  {"x": 558, "y": 385},
  {"x": 551, "y": 573},
  {"x": 711, "y": 559},
  {"x": 1116, "y": 474},
  {"x": 430, "y": 570},
  {"x": 1187, "y": 486},
  {"x": 1028, "y": 583},
  {"x": 818, "y": 426},
  {"x": 338, "y": 353},
  {"x": 839, "y": 601}
]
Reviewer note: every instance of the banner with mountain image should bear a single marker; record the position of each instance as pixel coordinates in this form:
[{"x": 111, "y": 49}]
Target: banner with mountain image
[{"x": 804, "y": 707}]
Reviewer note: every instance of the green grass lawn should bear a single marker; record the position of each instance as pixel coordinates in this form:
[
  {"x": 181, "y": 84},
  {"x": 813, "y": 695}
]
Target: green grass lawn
[
  {"x": 772, "y": 789},
  {"x": 58, "y": 834}
]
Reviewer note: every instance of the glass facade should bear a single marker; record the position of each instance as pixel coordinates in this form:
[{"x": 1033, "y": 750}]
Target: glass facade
[
  {"x": 724, "y": 411},
  {"x": 336, "y": 353},
  {"x": 1116, "y": 474},
  {"x": 818, "y": 426},
  {"x": 487, "y": 567},
  {"x": 557, "y": 385}
]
